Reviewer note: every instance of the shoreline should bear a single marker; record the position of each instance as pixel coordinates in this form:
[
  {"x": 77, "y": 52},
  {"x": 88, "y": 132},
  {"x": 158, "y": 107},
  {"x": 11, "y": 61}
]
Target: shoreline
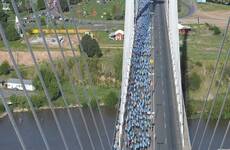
[{"x": 20, "y": 110}]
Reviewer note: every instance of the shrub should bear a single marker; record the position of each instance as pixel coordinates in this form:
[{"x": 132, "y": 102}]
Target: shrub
[
  {"x": 49, "y": 80},
  {"x": 38, "y": 100},
  {"x": 199, "y": 64},
  {"x": 216, "y": 30},
  {"x": 111, "y": 99},
  {"x": 18, "y": 101},
  {"x": 93, "y": 103},
  {"x": 4, "y": 68},
  {"x": 194, "y": 81},
  {"x": 11, "y": 33},
  {"x": 91, "y": 46}
]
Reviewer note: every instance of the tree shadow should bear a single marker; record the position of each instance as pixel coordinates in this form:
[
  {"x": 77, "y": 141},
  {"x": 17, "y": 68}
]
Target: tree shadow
[{"x": 184, "y": 68}]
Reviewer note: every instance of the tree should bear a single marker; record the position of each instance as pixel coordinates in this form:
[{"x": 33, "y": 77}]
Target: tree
[
  {"x": 91, "y": 46},
  {"x": 64, "y": 5},
  {"x": 41, "y": 5},
  {"x": 111, "y": 99},
  {"x": 3, "y": 16},
  {"x": 4, "y": 68},
  {"x": 11, "y": 33},
  {"x": 50, "y": 82}
]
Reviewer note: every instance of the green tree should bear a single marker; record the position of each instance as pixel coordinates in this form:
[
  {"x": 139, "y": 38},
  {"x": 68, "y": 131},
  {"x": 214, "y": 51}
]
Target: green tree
[
  {"x": 3, "y": 16},
  {"x": 64, "y": 5},
  {"x": 41, "y": 5},
  {"x": 111, "y": 99},
  {"x": 91, "y": 46},
  {"x": 4, "y": 68},
  {"x": 49, "y": 80},
  {"x": 11, "y": 32}
]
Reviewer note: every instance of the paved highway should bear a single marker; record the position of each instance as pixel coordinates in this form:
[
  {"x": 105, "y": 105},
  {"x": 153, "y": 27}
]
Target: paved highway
[{"x": 167, "y": 126}]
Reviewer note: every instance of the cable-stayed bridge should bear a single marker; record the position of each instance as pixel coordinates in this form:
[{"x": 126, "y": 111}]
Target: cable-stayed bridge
[
  {"x": 152, "y": 80},
  {"x": 151, "y": 112}
]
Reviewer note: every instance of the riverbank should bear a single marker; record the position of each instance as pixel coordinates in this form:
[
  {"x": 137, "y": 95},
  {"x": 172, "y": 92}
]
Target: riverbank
[{"x": 21, "y": 110}]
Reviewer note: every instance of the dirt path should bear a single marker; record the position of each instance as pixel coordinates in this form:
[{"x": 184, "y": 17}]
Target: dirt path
[
  {"x": 218, "y": 18},
  {"x": 25, "y": 57}
]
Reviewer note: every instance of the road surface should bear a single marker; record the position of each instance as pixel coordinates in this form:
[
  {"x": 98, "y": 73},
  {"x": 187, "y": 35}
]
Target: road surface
[{"x": 167, "y": 127}]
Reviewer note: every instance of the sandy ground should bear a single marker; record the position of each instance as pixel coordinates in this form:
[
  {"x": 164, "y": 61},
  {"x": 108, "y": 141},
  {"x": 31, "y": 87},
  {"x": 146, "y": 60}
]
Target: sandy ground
[
  {"x": 218, "y": 18},
  {"x": 25, "y": 57}
]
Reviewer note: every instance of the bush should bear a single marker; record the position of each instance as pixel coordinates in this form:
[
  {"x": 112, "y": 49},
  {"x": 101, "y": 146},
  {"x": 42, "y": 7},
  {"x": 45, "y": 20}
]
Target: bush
[
  {"x": 38, "y": 100},
  {"x": 216, "y": 30},
  {"x": 18, "y": 101},
  {"x": 43, "y": 21},
  {"x": 4, "y": 68},
  {"x": 194, "y": 81},
  {"x": 111, "y": 99},
  {"x": 49, "y": 80},
  {"x": 91, "y": 46},
  {"x": 93, "y": 103},
  {"x": 11, "y": 33}
]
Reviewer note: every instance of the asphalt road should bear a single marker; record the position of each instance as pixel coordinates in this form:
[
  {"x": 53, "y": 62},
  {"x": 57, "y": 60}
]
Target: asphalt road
[{"x": 167, "y": 127}]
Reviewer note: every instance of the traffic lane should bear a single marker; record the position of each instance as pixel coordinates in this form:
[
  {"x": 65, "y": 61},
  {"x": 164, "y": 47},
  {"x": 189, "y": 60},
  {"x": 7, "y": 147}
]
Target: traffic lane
[
  {"x": 167, "y": 117},
  {"x": 160, "y": 108},
  {"x": 170, "y": 87}
]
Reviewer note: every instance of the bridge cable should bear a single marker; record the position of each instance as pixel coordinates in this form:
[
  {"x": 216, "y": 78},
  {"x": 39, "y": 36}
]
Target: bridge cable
[
  {"x": 225, "y": 135},
  {"x": 90, "y": 81},
  {"x": 12, "y": 120},
  {"x": 87, "y": 72},
  {"x": 72, "y": 81},
  {"x": 219, "y": 117},
  {"x": 84, "y": 89},
  {"x": 214, "y": 100},
  {"x": 54, "y": 70},
  {"x": 24, "y": 89},
  {"x": 40, "y": 75},
  {"x": 212, "y": 80}
]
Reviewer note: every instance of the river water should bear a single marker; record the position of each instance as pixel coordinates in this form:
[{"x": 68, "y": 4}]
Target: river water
[{"x": 31, "y": 136}]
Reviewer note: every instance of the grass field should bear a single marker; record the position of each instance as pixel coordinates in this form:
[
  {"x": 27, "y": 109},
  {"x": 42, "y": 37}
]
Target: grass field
[
  {"x": 94, "y": 10},
  {"x": 212, "y": 7},
  {"x": 202, "y": 51}
]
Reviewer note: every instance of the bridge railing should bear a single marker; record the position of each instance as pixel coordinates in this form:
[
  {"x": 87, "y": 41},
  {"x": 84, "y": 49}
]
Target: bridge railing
[{"x": 172, "y": 21}]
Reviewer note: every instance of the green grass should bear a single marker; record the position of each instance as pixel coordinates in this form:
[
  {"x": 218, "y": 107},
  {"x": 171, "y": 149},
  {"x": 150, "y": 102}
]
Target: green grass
[
  {"x": 91, "y": 6},
  {"x": 103, "y": 39},
  {"x": 212, "y": 7},
  {"x": 100, "y": 92},
  {"x": 202, "y": 51}
]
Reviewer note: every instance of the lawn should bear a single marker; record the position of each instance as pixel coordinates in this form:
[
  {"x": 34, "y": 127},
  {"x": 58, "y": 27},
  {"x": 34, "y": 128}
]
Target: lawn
[
  {"x": 94, "y": 11},
  {"x": 212, "y": 7},
  {"x": 202, "y": 51}
]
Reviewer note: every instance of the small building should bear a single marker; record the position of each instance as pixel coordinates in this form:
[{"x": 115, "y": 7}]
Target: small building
[
  {"x": 16, "y": 84},
  {"x": 117, "y": 35},
  {"x": 183, "y": 29},
  {"x": 201, "y": 1}
]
